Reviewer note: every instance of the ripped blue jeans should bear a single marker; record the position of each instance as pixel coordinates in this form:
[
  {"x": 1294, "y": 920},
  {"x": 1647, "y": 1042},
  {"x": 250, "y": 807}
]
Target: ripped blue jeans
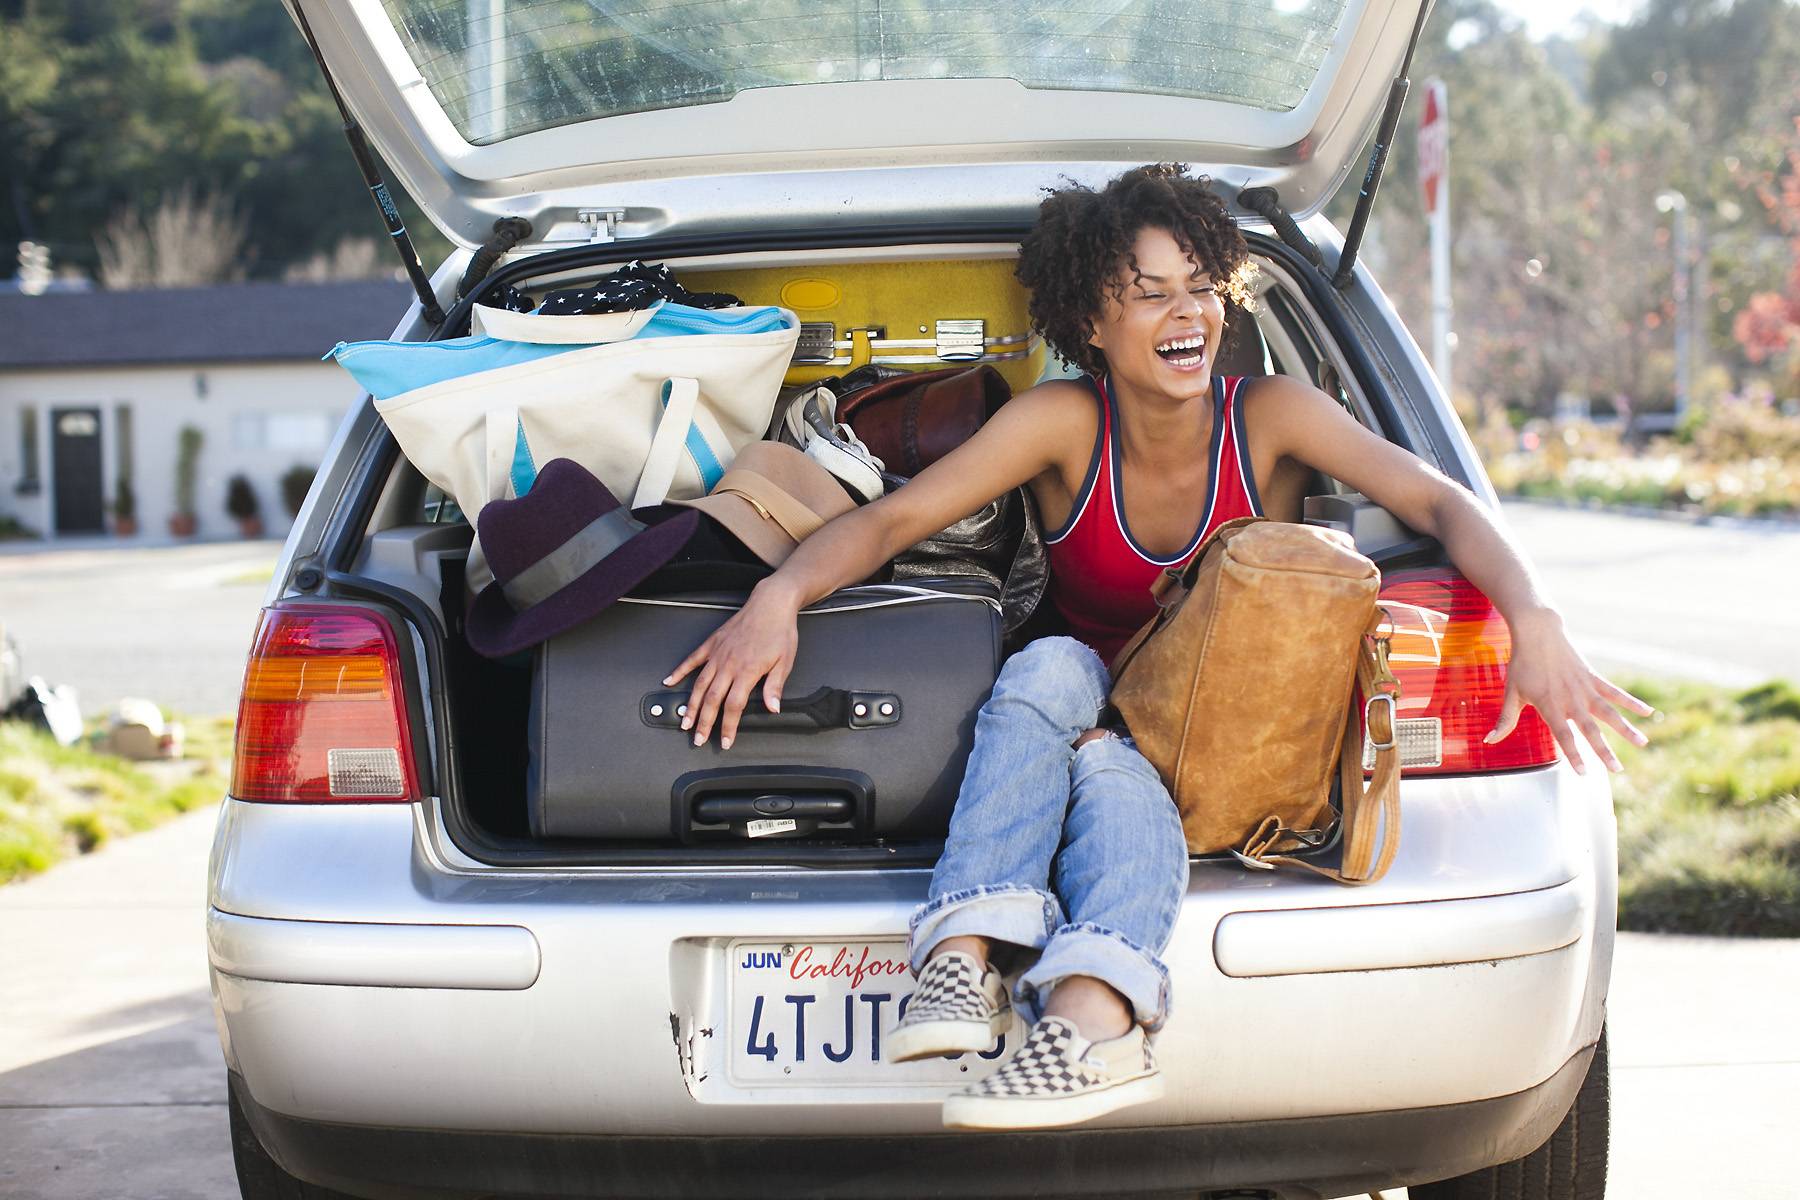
[{"x": 1076, "y": 854}]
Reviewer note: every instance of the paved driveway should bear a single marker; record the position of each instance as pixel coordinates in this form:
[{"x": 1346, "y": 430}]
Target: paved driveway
[
  {"x": 111, "y": 1084},
  {"x": 169, "y": 623},
  {"x": 1655, "y": 597}
]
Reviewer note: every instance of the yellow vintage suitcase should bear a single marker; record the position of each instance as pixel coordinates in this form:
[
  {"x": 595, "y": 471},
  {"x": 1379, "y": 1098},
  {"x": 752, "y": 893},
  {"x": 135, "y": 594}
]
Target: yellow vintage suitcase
[{"x": 918, "y": 315}]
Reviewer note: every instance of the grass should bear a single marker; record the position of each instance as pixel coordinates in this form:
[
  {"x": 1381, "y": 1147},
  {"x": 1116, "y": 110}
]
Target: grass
[
  {"x": 1709, "y": 813},
  {"x": 58, "y": 801}
]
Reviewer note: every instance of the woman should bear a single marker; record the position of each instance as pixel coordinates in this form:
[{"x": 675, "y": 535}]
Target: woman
[{"x": 1064, "y": 842}]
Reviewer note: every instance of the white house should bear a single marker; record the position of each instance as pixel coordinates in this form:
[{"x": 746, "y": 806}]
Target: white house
[{"x": 96, "y": 388}]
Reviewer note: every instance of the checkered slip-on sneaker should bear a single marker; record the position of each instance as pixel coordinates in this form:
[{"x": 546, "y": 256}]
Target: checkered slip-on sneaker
[
  {"x": 1059, "y": 1077},
  {"x": 957, "y": 1006}
]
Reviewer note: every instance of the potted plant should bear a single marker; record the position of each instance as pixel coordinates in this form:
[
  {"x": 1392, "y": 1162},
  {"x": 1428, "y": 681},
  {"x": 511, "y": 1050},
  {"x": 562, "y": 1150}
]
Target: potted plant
[
  {"x": 296, "y": 482},
  {"x": 183, "y": 522},
  {"x": 124, "y": 509},
  {"x": 241, "y": 504}
]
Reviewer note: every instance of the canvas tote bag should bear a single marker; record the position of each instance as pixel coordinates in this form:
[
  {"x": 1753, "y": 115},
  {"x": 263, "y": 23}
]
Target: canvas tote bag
[
  {"x": 1239, "y": 692},
  {"x": 654, "y": 418}
]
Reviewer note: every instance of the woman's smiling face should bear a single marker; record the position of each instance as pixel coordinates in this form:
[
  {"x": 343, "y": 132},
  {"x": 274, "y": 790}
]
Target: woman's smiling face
[{"x": 1160, "y": 332}]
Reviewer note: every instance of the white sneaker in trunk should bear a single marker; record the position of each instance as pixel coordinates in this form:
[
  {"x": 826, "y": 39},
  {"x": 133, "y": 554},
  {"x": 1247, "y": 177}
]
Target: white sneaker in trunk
[
  {"x": 1059, "y": 1077},
  {"x": 811, "y": 424},
  {"x": 957, "y": 1006}
]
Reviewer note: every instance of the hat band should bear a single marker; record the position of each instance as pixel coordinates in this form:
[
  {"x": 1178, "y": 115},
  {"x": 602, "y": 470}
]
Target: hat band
[
  {"x": 771, "y": 503},
  {"x": 571, "y": 560}
]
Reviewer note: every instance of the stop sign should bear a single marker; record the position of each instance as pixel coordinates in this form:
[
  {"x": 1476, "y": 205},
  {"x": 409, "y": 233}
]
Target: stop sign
[{"x": 1434, "y": 142}]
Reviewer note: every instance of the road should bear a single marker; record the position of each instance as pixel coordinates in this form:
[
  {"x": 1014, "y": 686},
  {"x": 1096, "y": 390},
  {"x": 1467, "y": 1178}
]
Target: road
[
  {"x": 111, "y": 1083},
  {"x": 1642, "y": 597},
  {"x": 1656, "y": 597},
  {"x": 169, "y": 623}
]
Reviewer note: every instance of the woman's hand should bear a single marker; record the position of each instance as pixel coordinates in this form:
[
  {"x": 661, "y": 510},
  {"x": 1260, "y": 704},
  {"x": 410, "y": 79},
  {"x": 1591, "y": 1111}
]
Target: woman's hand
[
  {"x": 1027, "y": 437},
  {"x": 1550, "y": 675},
  {"x": 757, "y": 643}
]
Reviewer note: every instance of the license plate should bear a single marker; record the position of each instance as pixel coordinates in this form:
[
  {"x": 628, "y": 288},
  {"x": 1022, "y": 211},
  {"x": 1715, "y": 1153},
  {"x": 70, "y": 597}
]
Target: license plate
[{"x": 817, "y": 1012}]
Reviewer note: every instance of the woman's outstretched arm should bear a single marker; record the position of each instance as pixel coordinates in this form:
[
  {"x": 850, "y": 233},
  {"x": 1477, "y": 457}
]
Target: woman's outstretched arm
[
  {"x": 758, "y": 642},
  {"x": 1547, "y": 672}
]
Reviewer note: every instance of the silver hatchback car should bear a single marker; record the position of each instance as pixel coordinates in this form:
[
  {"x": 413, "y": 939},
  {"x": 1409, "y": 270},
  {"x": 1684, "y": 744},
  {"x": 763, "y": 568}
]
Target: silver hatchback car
[{"x": 417, "y": 997}]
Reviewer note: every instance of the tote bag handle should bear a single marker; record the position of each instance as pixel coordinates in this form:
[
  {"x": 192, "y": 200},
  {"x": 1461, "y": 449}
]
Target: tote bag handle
[{"x": 680, "y": 398}]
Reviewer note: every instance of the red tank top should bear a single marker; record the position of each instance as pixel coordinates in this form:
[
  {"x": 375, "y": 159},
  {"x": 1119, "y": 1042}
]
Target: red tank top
[{"x": 1099, "y": 576}]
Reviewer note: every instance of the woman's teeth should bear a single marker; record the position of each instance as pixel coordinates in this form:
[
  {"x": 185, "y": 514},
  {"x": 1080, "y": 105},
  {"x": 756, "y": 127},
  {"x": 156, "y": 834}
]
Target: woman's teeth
[{"x": 1183, "y": 352}]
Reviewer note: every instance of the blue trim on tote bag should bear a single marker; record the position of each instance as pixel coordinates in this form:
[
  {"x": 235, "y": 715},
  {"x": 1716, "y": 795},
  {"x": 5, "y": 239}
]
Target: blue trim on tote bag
[
  {"x": 706, "y": 459},
  {"x": 524, "y": 470},
  {"x": 388, "y": 369}
]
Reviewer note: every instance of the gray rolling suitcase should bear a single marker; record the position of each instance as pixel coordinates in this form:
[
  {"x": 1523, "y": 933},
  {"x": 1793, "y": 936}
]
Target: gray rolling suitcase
[{"x": 876, "y": 721}]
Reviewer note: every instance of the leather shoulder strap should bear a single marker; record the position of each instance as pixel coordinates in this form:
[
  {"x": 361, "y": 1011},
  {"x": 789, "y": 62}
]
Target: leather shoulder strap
[{"x": 1371, "y": 816}]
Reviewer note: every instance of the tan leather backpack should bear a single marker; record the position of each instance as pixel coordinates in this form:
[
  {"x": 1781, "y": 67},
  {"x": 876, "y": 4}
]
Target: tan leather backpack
[{"x": 1239, "y": 692}]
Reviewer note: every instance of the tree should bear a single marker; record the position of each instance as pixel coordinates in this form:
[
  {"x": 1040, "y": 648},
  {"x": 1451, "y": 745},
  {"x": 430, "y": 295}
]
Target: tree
[
  {"x": 1518, "y": 134},
  {"x": 1563, "y": 270},
  {"x": 110, "y": 106},
  {"x": 1715, "y": 62},
  {"x": 352, "y": 258},
  {"x": 185, "y": 242},
  {"x": 1768, "y": 327}
]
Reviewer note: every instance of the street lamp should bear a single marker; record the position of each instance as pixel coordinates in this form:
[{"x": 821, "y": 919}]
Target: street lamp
[{"x": 1673, "y": 201}]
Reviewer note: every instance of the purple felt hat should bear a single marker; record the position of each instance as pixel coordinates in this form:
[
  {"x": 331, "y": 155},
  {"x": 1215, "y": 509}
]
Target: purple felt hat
[{"x": 561, "y": 553}]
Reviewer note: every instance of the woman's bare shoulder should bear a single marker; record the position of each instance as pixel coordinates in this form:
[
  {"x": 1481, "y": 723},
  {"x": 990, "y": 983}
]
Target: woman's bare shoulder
[
  {"x": 1060, "y": 420},
  {"x": 1058, "y": 406},
  {"x": 1071, "y": 392}
]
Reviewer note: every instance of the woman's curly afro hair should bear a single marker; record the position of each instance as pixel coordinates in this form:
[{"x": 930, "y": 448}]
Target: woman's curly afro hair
[{"x": 1074, "y": 256}]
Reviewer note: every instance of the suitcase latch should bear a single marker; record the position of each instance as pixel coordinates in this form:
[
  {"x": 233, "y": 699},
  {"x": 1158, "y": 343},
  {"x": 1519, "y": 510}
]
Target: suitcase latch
[
  {"x": 961, "y": 341},
  {"x": 818, "y": 343}
]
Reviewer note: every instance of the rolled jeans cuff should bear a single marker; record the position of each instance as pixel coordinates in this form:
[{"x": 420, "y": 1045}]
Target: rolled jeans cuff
[
  {"x": 1002, "y": 912},
  {"x": 1106, "y": 955}
]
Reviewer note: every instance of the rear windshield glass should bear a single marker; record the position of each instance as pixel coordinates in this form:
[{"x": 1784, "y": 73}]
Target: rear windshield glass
[{"x": 501, "y": 68}]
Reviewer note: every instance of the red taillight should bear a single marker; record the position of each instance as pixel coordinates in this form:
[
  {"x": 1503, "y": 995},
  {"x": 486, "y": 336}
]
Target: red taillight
[
  {"x": 323, "y": 715},
  {"x": 1450, "y": 652}
]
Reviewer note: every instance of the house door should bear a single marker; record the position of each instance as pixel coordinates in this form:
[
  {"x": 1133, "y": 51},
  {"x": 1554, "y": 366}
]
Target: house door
[{"x": 75, "y": 470}]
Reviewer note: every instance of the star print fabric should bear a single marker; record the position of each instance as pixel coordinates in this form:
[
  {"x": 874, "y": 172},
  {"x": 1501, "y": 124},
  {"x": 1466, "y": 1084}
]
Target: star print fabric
[{"x": 633, "y": 287}]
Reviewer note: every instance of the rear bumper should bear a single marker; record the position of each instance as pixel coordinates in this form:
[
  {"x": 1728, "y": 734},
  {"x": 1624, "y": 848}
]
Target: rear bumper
[
  {"x": 361, "y": 979},
  {"x": 1307, "y": 1158}
]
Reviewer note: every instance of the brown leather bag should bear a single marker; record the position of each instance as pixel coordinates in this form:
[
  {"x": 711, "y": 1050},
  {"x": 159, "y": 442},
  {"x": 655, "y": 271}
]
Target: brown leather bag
[
  {"x": 1239, "y": 692},
  {"x": 913, "y": 419}
]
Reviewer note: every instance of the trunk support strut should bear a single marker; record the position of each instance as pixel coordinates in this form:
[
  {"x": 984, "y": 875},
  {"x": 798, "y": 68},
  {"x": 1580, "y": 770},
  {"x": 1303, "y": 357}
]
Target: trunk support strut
[
  {"x": 365, "y": 162},
  {"x": 1384, "y": 140}
]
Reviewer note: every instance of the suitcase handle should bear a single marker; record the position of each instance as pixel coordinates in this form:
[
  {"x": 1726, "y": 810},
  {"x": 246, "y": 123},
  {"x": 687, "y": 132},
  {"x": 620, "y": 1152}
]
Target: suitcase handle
[
  {"x": 820, "y": 709},
  {"x": 778, "y": 802},
  {"x": 723, "y": 810}
]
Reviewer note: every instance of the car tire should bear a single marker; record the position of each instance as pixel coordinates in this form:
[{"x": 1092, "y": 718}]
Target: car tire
[
  {"x": 1570, "y": 1166},
  {"x": 260, "y": 1177}
]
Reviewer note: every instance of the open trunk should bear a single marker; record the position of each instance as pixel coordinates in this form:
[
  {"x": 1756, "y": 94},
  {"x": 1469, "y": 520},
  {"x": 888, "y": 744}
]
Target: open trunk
[{"x": 414, "y": 546}]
